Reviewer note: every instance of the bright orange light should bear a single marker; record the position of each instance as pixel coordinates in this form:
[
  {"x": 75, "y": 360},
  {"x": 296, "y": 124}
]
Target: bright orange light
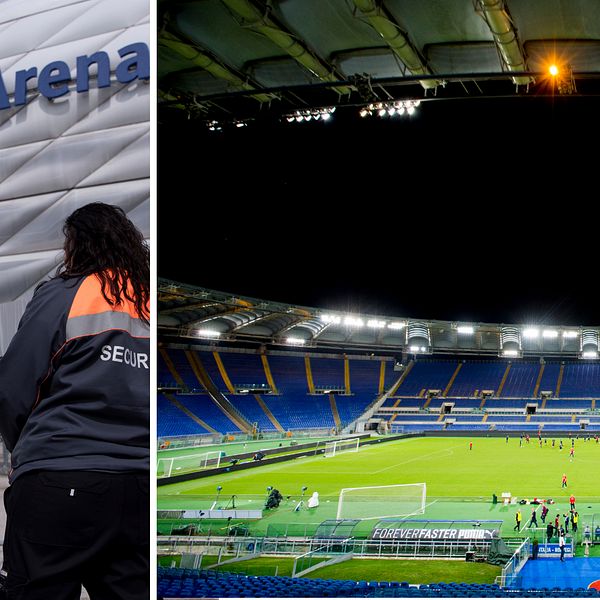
[{"x": 553, "y": 70}]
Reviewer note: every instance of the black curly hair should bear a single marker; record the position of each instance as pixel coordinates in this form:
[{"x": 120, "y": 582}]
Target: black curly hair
[{"x": 101, "y": 240}]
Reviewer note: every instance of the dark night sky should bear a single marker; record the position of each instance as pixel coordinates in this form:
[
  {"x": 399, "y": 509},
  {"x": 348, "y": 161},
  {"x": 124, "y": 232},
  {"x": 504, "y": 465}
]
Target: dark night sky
[{"x": 479, "y": 211}]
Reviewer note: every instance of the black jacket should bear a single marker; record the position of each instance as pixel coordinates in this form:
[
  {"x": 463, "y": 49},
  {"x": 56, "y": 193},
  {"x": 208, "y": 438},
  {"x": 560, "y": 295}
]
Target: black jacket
[{"x": 75, "y": 383}]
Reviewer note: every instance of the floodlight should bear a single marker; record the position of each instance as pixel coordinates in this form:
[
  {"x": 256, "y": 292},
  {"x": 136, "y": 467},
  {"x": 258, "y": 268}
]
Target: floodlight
[
  {"x": 590, "y": 354},
  {"x": 391, "y": 111},
  {"x": 410, "y": 110},
  {"x": 531, "y": 332},
  {"x": 553, "y": 70},
  {"x": 353, "y": 321},
  {"x": 364, "y": 112},
  {"x": 401, "y": 110},
  {"x": 550, "y": 334},
  {"x": 414, "y": 348},
  {"x": 382, "y": 112},
  {"x": 208, "y": 333},
  {"x": 510, "y": 353},
  {"x": 335, "y": 319},
  {"x": 326, "y": 116},
  {"x": 570, "y": 334},
  {"x": 375, "y": 324},
  {"x": 299, "y": 118},
  {"x": 295, "y": 341},
  {"x": 290, "y": 119},
  {"x": 396, "y": 325},
  {"x": 466, "y": 329}
]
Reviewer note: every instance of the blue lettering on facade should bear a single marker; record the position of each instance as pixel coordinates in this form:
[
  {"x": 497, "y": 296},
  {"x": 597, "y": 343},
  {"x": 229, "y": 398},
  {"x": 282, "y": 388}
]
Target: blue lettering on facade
[{"x": 54, "y": 79}]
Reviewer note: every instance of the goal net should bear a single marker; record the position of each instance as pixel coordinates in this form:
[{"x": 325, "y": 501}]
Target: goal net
[
  {"x": 382, "y": 501},
  {"x": 348, "y": 445},
  {"x": 166, "y": 467}
]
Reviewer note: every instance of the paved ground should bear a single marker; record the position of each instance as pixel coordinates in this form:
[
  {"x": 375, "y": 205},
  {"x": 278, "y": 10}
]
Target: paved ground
[
  {"x": 551, "y": 572},
  {"x": 3, "y": 486}
]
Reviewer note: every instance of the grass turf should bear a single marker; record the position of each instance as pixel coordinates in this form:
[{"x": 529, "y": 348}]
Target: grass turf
[
  {"x": 460, "y": 482},
  {"x": 411, "y": 571},
  {"x": 447, "y": 465}
]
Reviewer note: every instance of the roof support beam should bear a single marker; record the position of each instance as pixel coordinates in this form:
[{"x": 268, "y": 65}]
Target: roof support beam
[
  {"x": 263, "y": 24},
  {"x": 207, "y": 63},
  {"x": 396, "y": 39},
  {"x": 186, "y": 307},
  {"x": 225, "y": 313},
  {"x": 495, "y": 14}
]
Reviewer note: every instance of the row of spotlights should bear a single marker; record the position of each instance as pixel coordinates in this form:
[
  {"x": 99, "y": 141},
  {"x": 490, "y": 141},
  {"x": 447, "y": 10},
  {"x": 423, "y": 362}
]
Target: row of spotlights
[
  {"x": 217, "y": 126},
  {"x": 529, "y": 333},
  {"x": 588, "y": 354},
  {"x": 383, "y": 109},
  {"x": 298, "y": 116},
  {"x": 294, "y": 341},
  {"x": 462, "y": 329},
  {"x": 532, "y": 333},
  {"x": 351, "y": 321}
]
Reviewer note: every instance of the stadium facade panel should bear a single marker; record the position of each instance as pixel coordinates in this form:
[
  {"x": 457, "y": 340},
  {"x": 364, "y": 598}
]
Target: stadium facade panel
[{"x": 74, "y": 129}]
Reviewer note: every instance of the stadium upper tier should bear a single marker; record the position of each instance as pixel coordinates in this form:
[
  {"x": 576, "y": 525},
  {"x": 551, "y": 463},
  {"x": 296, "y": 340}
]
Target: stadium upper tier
[
  {"x": 189, "y": 312},
  {"x": 204, "y": 389}
]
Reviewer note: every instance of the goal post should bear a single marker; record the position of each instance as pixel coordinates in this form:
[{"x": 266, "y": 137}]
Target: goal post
[
  {"x": 166, "y": 467},
  {"x": 339, "y": 446},
  {"x": 382, "y": 501}
]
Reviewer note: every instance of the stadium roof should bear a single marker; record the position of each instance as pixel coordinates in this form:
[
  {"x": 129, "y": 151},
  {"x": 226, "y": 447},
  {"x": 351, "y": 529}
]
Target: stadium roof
[
  {"x": 237, "y": 59},
  {"x": 451, "y": 213},
  {"x": 197, "y": 313}
]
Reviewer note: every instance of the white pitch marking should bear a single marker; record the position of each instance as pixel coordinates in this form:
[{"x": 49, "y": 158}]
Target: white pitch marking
[{"x": 445, "y": 450}]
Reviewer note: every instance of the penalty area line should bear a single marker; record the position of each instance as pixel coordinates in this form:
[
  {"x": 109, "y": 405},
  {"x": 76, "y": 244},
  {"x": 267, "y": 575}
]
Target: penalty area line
[{"x": 419, "y": 512}]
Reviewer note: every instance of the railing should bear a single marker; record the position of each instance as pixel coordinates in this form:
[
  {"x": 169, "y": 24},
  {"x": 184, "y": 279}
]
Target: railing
[
  {"x": 235, "y": 547},
  {"x": 290, "y": 433},
  {"x": 176, "y": 442},
  {"x": 316, "y": 559},
  {"x": 510, "y": 572}
]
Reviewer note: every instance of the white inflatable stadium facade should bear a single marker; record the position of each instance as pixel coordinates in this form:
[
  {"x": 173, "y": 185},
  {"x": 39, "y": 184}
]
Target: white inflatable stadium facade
[{"x": 74, "y": 129}]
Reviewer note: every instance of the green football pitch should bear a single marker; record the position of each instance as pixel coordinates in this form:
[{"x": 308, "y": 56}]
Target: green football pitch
[{"x": 460, "y": 481}]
